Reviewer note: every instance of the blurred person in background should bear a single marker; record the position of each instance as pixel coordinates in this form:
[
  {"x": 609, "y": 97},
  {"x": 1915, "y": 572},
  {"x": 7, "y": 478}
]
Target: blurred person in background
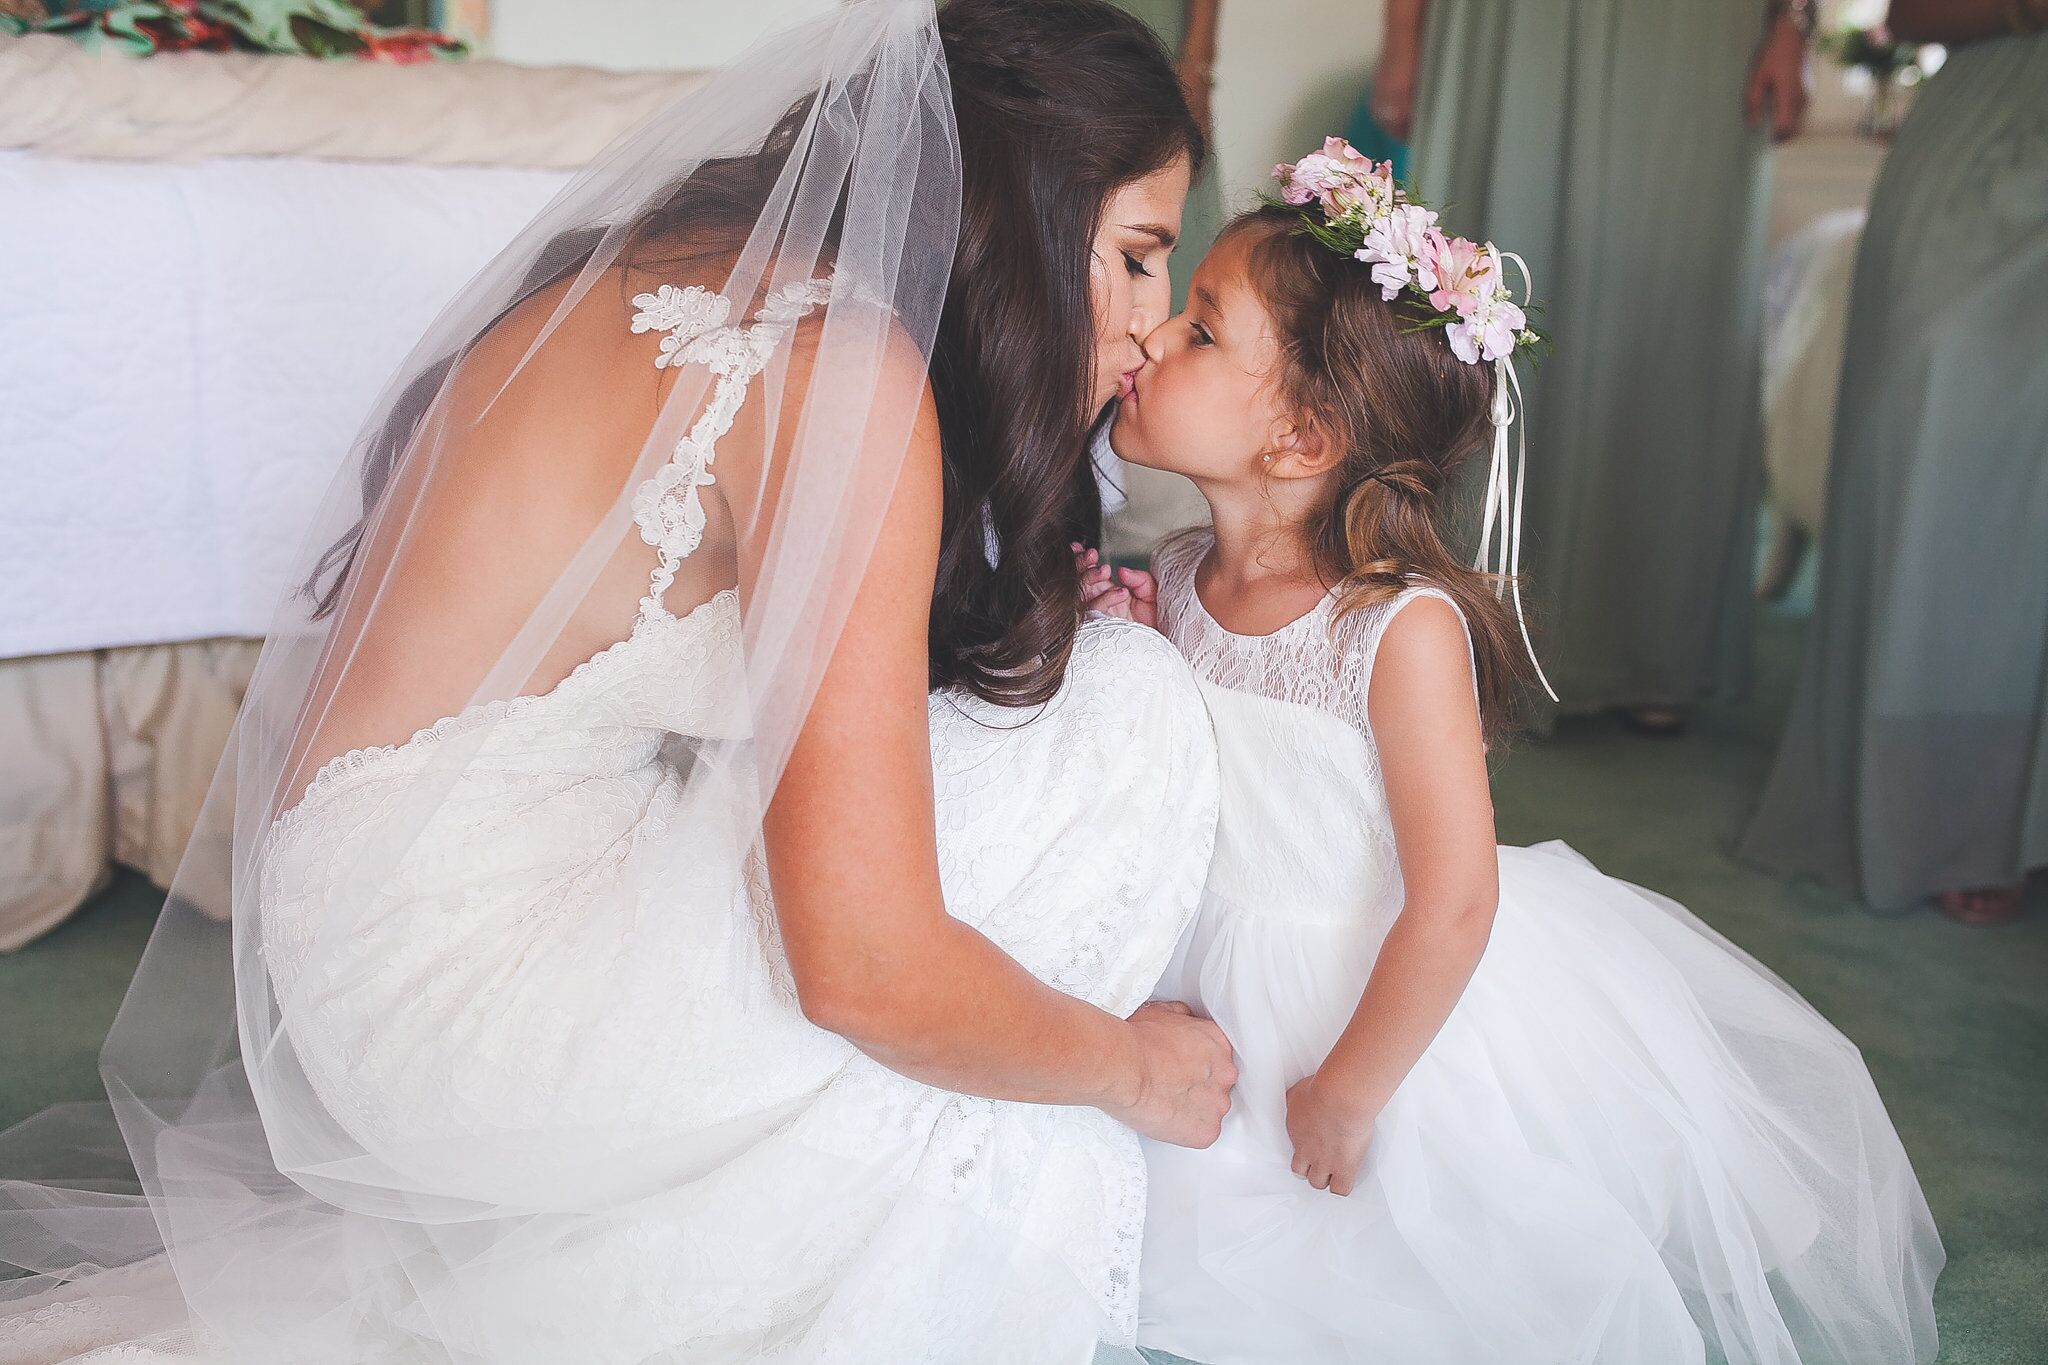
[
  {"x": 1623, "y": 146},
  {"x": 1915, "y": 760}
]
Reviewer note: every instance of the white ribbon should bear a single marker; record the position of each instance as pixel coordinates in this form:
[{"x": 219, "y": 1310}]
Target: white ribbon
[{"x": 1503, "y": 503}]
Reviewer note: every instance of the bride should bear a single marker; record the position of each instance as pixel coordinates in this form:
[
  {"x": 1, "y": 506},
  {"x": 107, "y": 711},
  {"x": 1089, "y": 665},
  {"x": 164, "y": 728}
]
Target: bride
[{"x": 695, "y": 880}]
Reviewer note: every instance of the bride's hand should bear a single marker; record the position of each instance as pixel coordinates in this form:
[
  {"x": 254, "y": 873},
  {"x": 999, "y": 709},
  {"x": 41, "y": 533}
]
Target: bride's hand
[
  {"x": 1128, "y": 593},
  {"x": 1185, "y": 1071},
  {"x": 1330, "y": 1137}
]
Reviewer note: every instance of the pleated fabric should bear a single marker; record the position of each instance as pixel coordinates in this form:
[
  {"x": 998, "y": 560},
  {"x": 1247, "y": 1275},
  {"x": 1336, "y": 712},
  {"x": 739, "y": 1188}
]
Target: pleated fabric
[
  {"x": 1604, "y": 140},
  {"x": 1915, "y": 758}
]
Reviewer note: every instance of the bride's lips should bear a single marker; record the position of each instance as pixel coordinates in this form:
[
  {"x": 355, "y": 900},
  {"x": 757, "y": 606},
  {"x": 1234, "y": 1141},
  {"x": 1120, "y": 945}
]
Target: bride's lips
[{"x": 1127, "y": 383}]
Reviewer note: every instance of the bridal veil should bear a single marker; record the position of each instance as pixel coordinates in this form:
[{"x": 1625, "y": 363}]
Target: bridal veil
[{"x": 796, "y": 214}]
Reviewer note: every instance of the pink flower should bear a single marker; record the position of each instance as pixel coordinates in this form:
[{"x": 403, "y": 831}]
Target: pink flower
[
  {"x": 1465, "y": 274},
  {"x": 1400, "y": 249},
  {"x": 1344, "y": 181}
]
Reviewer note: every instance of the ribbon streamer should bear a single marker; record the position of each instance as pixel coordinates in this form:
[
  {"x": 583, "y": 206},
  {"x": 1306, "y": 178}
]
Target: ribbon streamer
[{"x": 1504, "y": 503}]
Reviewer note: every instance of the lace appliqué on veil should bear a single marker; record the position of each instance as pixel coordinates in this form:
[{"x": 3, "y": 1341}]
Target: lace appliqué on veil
[{"x": 668, "y": 507}]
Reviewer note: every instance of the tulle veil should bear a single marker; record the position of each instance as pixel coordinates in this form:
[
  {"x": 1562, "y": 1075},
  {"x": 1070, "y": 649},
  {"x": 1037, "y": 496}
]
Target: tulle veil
[{"x": 218, "y": 1205}]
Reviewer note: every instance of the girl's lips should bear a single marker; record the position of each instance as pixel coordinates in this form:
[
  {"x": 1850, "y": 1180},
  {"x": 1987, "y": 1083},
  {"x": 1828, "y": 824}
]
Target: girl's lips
[{"x": 1128, "y": 383}]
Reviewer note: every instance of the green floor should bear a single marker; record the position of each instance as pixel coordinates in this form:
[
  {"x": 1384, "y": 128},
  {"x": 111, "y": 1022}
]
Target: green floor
[{"x": 1952, "y": 1020}]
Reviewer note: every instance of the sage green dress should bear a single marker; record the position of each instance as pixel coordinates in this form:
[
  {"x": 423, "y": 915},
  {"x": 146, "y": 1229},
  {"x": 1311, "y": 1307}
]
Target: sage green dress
[
  {"x": 1915, "y": 759},
  {"x": 1604, "y": 141}
]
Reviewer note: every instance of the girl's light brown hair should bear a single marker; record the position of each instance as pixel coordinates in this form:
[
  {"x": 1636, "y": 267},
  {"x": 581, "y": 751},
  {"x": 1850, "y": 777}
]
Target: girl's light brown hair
[{"x": 1405, "y": 413}]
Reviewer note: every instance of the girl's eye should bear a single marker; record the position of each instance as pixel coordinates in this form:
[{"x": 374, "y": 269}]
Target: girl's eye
[
  {"x": 1202, "y": 337},
  {"x": 1136, "y": 266}
]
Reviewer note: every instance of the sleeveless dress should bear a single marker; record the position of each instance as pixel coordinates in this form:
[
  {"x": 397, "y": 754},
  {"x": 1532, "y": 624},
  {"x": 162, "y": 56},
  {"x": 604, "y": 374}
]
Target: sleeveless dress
[
  {"x": 578, "y": 942},
  {"x": 1629, "y": 1142}
]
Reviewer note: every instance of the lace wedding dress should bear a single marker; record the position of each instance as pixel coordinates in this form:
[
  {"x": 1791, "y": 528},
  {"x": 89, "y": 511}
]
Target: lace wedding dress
[
  {"x": 570, "y": 995},
  {"x": 1629, "y": 1142}
]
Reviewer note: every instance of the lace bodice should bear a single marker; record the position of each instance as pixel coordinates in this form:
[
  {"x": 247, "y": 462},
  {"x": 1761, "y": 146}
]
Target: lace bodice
[
  {"x": 1305, "y": 834},
  {"x": 1314, "y": 660}
]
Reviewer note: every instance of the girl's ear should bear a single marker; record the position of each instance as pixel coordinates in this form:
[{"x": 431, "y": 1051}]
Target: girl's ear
[{"x": 1301, "y": 449}]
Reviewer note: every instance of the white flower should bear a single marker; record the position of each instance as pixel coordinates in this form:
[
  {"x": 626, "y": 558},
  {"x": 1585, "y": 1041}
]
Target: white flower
[
  {"x": 732, "y": 351},
  {"x": 686, "y": 311},
  {"x": 792, "y": 301},
  {"x": 1489, "y": 332},
  {"x": 674, "y": 523},
  {"x": 1395, "y": 245}
]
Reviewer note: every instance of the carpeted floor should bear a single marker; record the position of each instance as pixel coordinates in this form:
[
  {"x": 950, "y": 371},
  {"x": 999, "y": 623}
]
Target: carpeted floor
[{"x": 1952, "y": 1020}]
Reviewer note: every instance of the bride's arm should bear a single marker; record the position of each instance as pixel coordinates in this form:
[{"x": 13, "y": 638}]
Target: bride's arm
[{"x": 853, "y": 860}]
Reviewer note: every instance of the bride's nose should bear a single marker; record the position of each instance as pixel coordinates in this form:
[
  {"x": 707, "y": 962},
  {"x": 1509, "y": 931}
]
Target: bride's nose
[
  {"x": 1152, "y": 304},
  {"x": 1143, "y": 324}
]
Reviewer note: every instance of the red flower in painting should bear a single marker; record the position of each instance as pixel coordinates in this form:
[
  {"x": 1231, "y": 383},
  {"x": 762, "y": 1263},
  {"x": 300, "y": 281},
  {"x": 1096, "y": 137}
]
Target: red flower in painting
[{"x": 405, "y": 47}]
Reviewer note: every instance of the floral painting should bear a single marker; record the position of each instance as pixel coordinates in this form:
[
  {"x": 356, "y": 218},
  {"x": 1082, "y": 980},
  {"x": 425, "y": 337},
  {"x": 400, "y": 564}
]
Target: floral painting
[{"x": 373, "y": 30}]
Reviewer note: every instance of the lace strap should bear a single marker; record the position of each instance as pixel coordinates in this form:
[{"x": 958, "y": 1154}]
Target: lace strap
[{"x": 667, "y": 506}]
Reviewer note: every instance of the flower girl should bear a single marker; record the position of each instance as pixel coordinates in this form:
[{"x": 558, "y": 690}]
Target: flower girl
[{"x": 1496, "y": 1106}]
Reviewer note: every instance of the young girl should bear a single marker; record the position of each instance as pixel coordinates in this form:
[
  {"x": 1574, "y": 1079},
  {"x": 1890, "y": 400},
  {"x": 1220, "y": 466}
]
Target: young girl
[{"x": 1495, "y": 1106}]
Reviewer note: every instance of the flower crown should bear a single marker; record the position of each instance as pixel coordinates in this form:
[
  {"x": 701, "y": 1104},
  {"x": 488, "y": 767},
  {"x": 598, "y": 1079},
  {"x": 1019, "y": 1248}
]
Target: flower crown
[
  {"x": 1352, "y": 205},
  {"x": 1367, "y": 216}
]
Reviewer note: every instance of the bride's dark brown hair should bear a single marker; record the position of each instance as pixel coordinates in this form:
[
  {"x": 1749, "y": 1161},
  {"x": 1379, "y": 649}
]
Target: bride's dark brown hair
[
  {"x": 1058, "y": 103},
  {"x": 1406, "y": 414}
]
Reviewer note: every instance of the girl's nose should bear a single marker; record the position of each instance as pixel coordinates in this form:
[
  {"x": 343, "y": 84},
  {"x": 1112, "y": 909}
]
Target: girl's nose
[
  {"x": 1153, "y": 342},
  {"x": 1143, "y": 324}
]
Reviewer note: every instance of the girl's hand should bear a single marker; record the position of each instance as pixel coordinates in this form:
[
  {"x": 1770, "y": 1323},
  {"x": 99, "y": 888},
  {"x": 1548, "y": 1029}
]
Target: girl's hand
[
  {"x": 1330, "y": 1137},
  {"x": 1128, "y": 593}
]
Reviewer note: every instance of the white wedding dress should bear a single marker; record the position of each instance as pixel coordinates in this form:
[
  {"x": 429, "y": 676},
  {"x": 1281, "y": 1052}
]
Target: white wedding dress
[
  {"x": 1629, "y": 1144},
  {"x": 570, "y": 995}
]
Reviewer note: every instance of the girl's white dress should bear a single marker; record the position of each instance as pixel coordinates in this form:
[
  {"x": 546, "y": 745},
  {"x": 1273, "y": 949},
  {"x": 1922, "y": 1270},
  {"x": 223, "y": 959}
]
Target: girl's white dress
[{"x": 1629, "y": 1144}]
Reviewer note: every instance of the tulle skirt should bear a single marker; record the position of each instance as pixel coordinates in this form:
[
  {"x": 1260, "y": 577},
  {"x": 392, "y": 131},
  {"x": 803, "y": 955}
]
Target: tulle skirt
[{"x": 1630, "y": 1144}]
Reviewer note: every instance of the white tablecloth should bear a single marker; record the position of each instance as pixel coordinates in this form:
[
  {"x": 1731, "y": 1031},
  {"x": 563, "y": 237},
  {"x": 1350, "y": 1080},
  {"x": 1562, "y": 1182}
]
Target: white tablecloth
[{"x": 185, "y": 352}]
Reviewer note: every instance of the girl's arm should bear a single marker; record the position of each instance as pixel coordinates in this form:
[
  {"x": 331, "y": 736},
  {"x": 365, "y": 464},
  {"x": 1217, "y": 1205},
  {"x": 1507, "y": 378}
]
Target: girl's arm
[
  {"x": 1425, "y": 723},
  {"x": 853, "y": 859},
  {"x": 1963, "y": 21}
]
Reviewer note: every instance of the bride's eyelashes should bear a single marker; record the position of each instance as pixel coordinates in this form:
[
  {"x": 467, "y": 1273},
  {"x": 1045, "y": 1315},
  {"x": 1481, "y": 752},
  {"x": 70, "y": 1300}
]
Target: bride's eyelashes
[{"x": 1136, "y": 266}]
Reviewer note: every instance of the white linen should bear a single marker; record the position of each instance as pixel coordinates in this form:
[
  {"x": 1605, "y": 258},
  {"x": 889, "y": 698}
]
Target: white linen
[
  {"x": 183, "y": 350},
  {"x": 109, "y": 753},
  {"x": 60, "y": 98}
]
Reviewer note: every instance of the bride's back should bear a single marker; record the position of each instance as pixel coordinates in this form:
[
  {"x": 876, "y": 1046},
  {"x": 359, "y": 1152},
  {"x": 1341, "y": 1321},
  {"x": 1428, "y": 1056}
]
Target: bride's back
[{"x": 517, "y": 474}]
